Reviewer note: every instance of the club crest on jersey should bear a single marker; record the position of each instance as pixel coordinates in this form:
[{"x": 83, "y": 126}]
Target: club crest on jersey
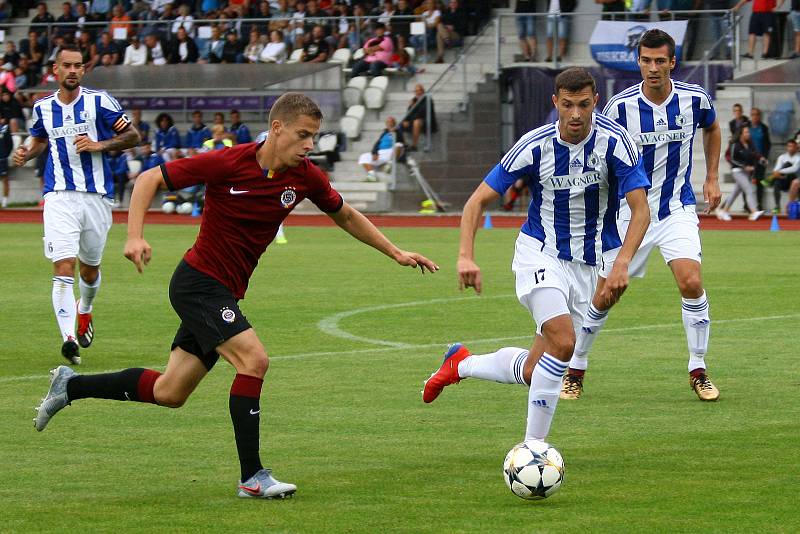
[
  {"x": 593, "y": 160},
  {"x": 680, "y": 120},
  {"x": 288, "y": 197},
  {"x": 228, "y": 315},
  {"x": 85, "y": 115}
]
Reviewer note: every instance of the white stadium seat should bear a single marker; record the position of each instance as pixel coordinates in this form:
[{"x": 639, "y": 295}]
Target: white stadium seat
[
  {"x": 351, "y": 122},
  {"x": 412, "y": 54},
  {"x": 342, "y": 55},
  {"x": 358, "y": 54},
  {"x": 296, "y": 56},
  {"x": 355, "y": 88},
  {"x": 375, "y": 94}
]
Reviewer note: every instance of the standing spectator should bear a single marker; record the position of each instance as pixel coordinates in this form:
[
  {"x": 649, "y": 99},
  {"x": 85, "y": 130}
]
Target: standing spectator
[
  {"x": 738, "y": 121},
  {"x": 317, "y": 49},
  {"x": 6, "y": 145},
  {"x": 232, "y": 49},
  {"x": 212, "y": 49},
  {"x": 88, "y": 51},
  {"x": 239, "y": 131},
  {"x": 141, "y": 126},
  {"x": 762, "y": 22},
  {"x": 720, "y": 24},
  {"x": 154, "y": 49},
  {"x": 388, "y": 146},
  {"x": 451, "y": 29},
  {"x": 168, "y": 140},
  {"x": 67, "y": 23},
  {"x": 416, "y": 117},
  {"x": 759, "y": 133},
  {"x": 400, "y": 23},
  {"x": 526, "y": 29},
  {"x": 794, "y": 14},
  {"x": 555, "y": 17},
  {"x": 38, "y": 23},
  {"x": 182, "y": 48},
  {"x": 275, "y": 50},
  {"x": 744, "y": 159},
  {"x": 784, "y": 173},
  {"x": 378, "y": 53},
  {"x": 612, "y": 9},
  {"x": 108, "y": 47},
  {"x": 197, "y": 134},
  {"x": 135, "y": 53},
  {"x": 253, "y": 49}
]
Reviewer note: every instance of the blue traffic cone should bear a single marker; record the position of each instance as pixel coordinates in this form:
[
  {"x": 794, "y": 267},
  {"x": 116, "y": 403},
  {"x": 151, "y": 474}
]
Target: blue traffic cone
[
  {"x": 196, "y": 210},
  {"x": 487, "y": 222},
  {"x": 774, "y": 227}
]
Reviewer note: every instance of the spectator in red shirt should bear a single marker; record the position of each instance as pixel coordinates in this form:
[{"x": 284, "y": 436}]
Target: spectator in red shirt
[
  {"x": 250, "y": 189},
  {"x": 762, "y": 22}
]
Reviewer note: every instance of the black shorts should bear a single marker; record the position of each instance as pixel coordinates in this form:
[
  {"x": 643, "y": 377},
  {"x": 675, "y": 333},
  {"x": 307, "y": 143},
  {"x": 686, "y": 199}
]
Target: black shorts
[
  {"x": 209, "y": 313},
  {"x": 784, "y": 183},
  {"x": 761, "y": 23},
  {"x": 3, "y": 166}
]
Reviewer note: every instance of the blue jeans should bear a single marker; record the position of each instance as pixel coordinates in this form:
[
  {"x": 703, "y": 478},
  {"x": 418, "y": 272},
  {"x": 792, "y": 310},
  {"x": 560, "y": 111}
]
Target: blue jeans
[
  {"x": 720, "y": 26},
  {"x": 526, "y": 27}
]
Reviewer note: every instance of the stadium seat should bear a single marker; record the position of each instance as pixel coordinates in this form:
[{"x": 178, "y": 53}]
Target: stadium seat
[
  {"x": 296, "y": 56},
  {"x": 355, "y": 89},
  {"x": 375, "y": 94},
  {"x": 134, "y": 167},
  {"x": 358, "y": 54},
  {"x": 412, "y": 54},
  {"x": 342, "y": 55},
  {"x": 352, "y": 121}
]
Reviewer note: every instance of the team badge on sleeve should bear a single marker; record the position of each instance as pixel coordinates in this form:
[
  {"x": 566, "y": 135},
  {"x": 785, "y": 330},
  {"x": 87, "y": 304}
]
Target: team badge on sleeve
[
  {"x": 288, "y": 197},
  {"x": 228, "y": 315}
]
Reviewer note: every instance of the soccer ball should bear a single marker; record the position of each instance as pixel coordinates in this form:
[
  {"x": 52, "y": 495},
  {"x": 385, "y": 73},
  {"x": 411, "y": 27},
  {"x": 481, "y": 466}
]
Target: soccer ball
[
  {"x": 533, "y": 470},
  {"x": 168, "y": 207},
  {"x": 184, "y": 208}
]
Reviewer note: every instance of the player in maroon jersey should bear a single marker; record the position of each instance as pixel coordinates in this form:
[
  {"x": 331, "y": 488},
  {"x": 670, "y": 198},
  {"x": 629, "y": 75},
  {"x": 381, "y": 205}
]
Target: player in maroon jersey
[{"x": 250, "y": 189}]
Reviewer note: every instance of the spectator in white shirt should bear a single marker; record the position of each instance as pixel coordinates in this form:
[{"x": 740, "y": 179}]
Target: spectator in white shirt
[
  {"x": 253, "y": 49},
  {"x": 275, "y": 51},
  {"x": 156, "y": 51},
  {"x": 184, "y": 19},
  {"x": 135, "y": 53},
  {"x": 784, "y": 175}
]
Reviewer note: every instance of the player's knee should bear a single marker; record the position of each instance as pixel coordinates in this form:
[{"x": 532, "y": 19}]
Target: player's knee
[
  {"x": 691, "y": 286},
  {"x": 64, "y": 267},
  {"x": 562, "y": 345},
  {"x": 256, "y": 364},
  {"x": 169, "y": 398}
]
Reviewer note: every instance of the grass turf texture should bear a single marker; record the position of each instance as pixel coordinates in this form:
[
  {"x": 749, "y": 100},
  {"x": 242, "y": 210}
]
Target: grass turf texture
[{"x": 344, "y": 420}]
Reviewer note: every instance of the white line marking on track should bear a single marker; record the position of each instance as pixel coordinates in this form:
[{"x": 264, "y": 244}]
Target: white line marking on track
[{"x": 441, "y": 344}]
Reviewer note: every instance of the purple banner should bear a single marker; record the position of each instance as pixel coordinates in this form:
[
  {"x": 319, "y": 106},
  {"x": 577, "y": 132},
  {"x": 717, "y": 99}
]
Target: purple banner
[
  {"x": 224, "y": 102},
  {"x": 154, "y": 103}
]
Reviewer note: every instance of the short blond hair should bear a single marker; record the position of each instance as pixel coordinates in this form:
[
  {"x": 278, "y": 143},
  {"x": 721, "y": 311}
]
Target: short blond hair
[{"x": 290, "y": 106}]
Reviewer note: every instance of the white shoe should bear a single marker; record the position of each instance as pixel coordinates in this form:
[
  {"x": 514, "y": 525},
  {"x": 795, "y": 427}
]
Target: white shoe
[
  {"x": 755, "y": 215},
  {"x": 264, "y": 486},
  {"x": 722, "y": 215},
  {"x": 371, "y": 176}
]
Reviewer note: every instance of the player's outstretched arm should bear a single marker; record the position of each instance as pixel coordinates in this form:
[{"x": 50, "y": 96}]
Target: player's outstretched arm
[
  {"x": 147, "y": 184},
  {"x": 712, "y": 145},
  {"x": 469, "y": 274},
  {"x": 357, "y": 225},
  {"x": 617, "y": 280},
  {"x": 30, "y": 150}
]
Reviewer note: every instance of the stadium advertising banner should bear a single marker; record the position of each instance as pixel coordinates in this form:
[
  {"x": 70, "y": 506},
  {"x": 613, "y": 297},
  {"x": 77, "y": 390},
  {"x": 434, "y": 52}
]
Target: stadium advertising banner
[{"x": 613, "y": 44}]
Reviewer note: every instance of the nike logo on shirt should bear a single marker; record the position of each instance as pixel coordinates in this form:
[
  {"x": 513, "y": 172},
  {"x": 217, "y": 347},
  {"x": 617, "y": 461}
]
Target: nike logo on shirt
[{"x": 237, "y": 192}]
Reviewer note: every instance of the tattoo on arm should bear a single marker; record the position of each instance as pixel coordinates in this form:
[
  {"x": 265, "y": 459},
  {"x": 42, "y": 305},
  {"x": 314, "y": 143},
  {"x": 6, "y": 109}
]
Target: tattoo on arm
[{"x": 129, "y": 138}]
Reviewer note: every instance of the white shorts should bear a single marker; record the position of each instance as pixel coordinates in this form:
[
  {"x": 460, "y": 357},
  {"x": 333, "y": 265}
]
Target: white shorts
[
  {"x": 677, "y": 237},
  {"x": 76, "y": 225},
  {"x": 384, "y": 157},
  {"x": 535, "y": 269}
]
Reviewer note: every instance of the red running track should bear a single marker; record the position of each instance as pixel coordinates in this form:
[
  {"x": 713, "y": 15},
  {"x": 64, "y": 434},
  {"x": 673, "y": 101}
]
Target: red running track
[{"x": 410, "y": 221}]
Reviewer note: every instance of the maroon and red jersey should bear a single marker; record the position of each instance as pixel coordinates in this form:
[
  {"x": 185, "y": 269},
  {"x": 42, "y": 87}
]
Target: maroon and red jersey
[{"x": 244, "y": 207}]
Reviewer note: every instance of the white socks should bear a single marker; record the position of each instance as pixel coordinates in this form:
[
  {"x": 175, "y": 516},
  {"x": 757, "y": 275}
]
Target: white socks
[
  {"x": 64, "y": 305},
  {"x": 595, "y": 319},
  {"x": 88, "y": 292},
  {"x": 504, "y": 366},
  {"x": 543, "y": 395},
  {"x": 697, "y": 324}
]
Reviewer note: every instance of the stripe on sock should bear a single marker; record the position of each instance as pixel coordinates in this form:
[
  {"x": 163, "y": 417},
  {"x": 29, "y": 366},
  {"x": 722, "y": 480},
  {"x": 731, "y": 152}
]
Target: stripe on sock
[
  {"x": 595, "y": 314},
  {"x": 518, "y": 367},
  {"x": 552, "y": 366},
  {"x": 246, "y": 386},
  {"x": 64, "y": 279},
  {"x": 146, "y": 385}
]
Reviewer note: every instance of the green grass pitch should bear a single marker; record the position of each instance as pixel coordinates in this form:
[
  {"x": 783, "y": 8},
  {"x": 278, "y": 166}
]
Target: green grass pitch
[{"x": 351, "y": 337}]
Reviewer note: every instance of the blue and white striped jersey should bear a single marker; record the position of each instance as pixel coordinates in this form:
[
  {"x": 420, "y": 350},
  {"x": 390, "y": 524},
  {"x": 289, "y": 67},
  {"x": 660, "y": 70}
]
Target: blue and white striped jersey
[
  {"x": 93, "y": 113},
  {"x": 575, "y": 189},
  {"x": 664, "y": 135}
]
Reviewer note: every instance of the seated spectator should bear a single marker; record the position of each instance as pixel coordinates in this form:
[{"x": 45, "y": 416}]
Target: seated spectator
[
  {"x": 67, "y": 23},
  {"x": 784, "y": 173},
  {"x": 39, "y": 24},
  {"x": 182, "y": 49},
  {"x": 6, "y": 11},
  {"x": 149, "y": 158},
  {"x": 358, "y": 28},
  {"x": 297, "y": 26},
  {"x": 120, "y": 21},
  {"x": 168, "y": 140},
  {"x": 108, "y": 47},
  {"x": 11, "y": 55},
  {"x": 264, "y": 12},
  {"x": 11, "y": 110},
  {"x": 81, "y": 18},
  {"x": 184, "y": 20},
  {"x": 211, "y": 51},
  {"x": 8, "y": 80},
  {"x": 135, "y": 53},
  {"x": 141, "y": 126},
  {"x": 154, "y": 49},
  {"x": 88, "y": 51},
  {"x": 139, "y": 9},
  {"x": 254, "y": 47},
  {"x": 451, "y": 29},
  {"x": 415, "y": 119},
  {"x": 232, "y": 49},
  {"x": 403, "y": 63},
  {"x": 32, "y": 49},
  {"x": 275, "y": 51},
  {"x": 101, "y": 9},
  {"x": 31, "y": 72},
  {"x": 317, "y": 49},
  {"x": 240, "y": 132},
  {"x": 118, "y": 162},
  {"x": 431, "y": 17},
  {"x": 400, "y": 24},
  {"x": 378, "y": 53},
  {"x": 197, "y": 134},
  {"x": 388, "y": 146},
  {"x": 219, "y": 139}
]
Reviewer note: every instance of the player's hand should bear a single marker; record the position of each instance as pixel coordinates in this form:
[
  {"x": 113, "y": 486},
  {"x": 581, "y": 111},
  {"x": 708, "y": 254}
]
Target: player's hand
[
  {"x": 712, "y": 195},
  {"x": 20, "y": 156},
  {"x": 412, "y": 259},
  {"x": 615, "y": 286},
  {"x": 84, "y": 144},
  {"x": 138, "y": 251},
  {"x": 469, "y": 275}
]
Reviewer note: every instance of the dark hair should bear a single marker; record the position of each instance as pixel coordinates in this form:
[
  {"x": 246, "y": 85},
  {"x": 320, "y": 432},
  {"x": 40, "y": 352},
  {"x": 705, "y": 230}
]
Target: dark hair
[
  {"x": 68, "y": 47},
  {"x": 234, "y": 111},
  {"x": 161, "y": 116},
  {"x": 656, "y": 38},
  {"x": 292, "y": 105},
  {"x": 791, "y": 141},
  {"x": 574, "y": 80},
  {"x": 737, "y": 137}
]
